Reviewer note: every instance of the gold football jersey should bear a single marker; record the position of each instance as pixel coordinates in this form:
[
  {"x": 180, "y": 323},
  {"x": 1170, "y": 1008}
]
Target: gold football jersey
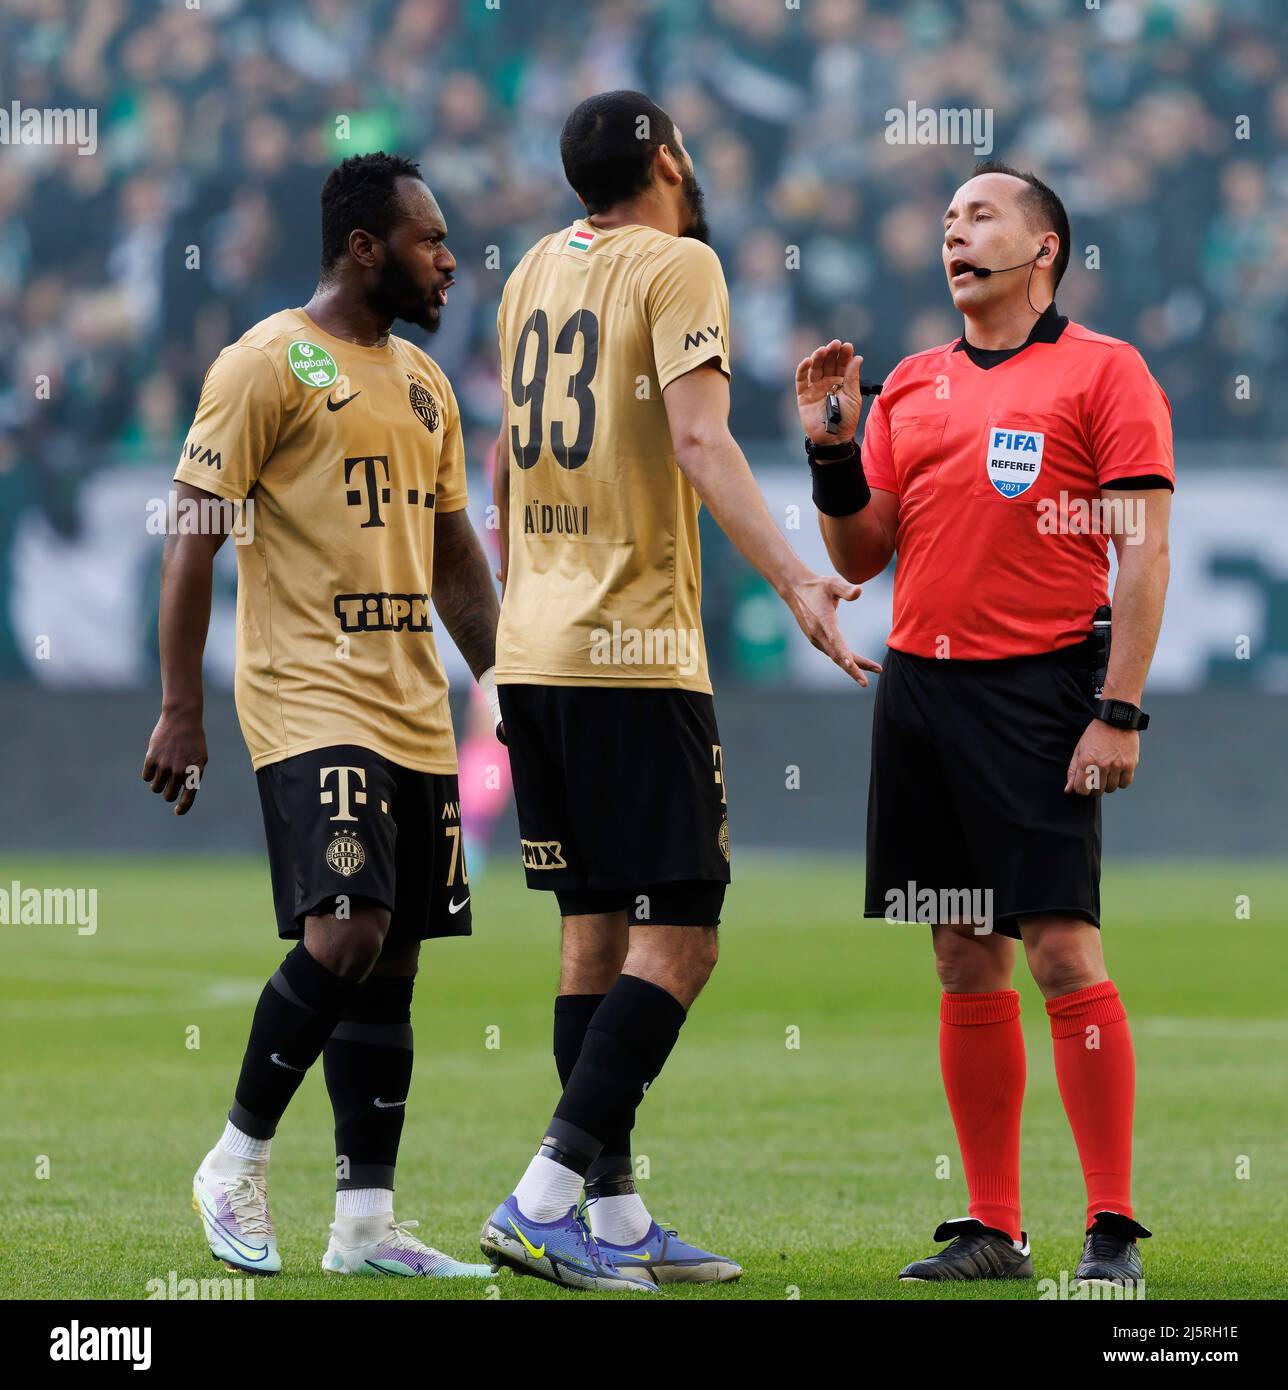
[
  {"x": 604, "y": 581},
  {"x": 346, "y": 452}
]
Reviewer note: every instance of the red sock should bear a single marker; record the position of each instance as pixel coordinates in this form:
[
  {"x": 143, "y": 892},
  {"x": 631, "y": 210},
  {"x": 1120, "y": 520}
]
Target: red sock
[
  {"x": 981, "y": 1054},
  {"x": 1096, "y": 1069}
]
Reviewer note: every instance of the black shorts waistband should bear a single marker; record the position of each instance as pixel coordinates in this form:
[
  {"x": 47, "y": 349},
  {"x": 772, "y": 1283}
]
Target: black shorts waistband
[{"x": 1079, "y": 656}]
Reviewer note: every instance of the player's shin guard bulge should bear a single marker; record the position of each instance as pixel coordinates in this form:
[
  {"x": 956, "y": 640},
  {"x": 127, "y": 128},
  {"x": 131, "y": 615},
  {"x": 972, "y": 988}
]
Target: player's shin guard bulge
[
  {"x": 1095, "y": 1066},
  {"x": 368, "y": 1065},
  {"x": 573, "y": 1014},
  {"x": 626, "y": 1046},
  {"x": 981, "y": 1054},
  {"x": 296, "y": 1014}
]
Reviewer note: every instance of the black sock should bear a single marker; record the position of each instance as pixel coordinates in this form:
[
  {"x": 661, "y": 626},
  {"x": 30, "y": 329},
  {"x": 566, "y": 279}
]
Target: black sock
[
  {"x": 367, "y": 1062},
  {"x": 610, "y": 1174},
  {"x": 299, "y": 1007},
  {"x": 626, "y": 1045}
]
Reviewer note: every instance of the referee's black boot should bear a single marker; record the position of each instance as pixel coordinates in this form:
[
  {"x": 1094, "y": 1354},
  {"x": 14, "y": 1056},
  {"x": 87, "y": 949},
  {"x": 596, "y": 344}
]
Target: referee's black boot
[
  {"x": 1110, "y": 1254},
  {"x": 975, "y": 1251}
]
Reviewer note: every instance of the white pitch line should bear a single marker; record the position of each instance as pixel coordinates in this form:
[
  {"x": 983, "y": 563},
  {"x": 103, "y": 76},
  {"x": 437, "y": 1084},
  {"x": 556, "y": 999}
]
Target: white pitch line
[
  {"x": 1233, "y": 1029},
  {"x": 215, "y": 994}
]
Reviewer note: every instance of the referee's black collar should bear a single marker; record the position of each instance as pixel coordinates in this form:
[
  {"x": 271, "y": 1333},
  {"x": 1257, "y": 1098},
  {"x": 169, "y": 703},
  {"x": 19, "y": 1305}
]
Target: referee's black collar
[{"x": 1050, "y": 324}]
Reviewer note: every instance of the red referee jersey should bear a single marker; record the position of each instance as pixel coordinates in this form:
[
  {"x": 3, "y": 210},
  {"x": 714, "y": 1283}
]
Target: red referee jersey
[{"x": 986, "y": 462}]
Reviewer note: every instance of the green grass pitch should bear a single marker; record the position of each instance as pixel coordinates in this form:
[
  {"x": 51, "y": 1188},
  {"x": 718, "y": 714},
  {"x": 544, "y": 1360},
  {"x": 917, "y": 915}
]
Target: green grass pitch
[{"x": 817, "y": 1166}]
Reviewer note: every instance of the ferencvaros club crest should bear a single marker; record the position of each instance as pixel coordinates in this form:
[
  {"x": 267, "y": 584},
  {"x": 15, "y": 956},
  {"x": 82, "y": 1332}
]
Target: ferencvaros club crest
[
  {"x": 423, "y": 403},
  {"x": 345, "y": 855}
]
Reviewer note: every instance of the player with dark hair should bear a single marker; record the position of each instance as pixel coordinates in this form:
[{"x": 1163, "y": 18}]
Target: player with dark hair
[
  {"x": 608, "y": 146},
  {"x": 1004, "y": 712},
  {"x": 614, "y": 359},
  {"x": 346, "y": 442}
]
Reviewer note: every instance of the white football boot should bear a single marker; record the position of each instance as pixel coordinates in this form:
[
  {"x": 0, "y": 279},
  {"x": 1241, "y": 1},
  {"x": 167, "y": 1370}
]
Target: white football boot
[
  {"x": 231, "y": 1197},
  {"x": 381, "y": 1245}
]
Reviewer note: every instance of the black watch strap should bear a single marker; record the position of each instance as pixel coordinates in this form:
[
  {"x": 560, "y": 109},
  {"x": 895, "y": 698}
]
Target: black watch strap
[
  {"x": 830, "y": 453},
  {"x": 1120, "y": 714}
]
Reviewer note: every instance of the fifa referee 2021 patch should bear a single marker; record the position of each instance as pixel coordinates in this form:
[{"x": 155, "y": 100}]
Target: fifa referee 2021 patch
[{"x": 1014, "y": 459}]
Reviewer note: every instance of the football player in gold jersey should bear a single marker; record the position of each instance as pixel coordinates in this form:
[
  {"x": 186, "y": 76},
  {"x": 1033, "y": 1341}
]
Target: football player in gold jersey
[
  {"x": 338, "y": 448},
  {"x": 614, "y": 337}
]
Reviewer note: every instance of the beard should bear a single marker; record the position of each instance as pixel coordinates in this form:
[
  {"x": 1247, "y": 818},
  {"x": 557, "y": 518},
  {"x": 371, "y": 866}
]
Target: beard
[
  {"x": 695, "y": 202},
  {"x": 399, "y": 296}
]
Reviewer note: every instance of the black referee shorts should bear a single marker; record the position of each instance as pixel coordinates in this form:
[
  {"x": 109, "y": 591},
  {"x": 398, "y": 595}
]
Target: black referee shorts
[{"x": 966, "y": 803}]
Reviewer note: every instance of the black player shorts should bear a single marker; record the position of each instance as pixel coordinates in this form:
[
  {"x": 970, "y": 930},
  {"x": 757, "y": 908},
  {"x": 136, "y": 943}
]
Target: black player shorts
[
  {"x": 344, "y": 823},
  {"x": 621, "y": 799},
  {"x": 968, "y": 818}
]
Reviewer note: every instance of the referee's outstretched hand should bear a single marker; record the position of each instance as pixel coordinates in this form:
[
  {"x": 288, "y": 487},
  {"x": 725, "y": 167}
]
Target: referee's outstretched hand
[
  {"x": 813, "y": 601},
  {"x": 834, "y": 368}
]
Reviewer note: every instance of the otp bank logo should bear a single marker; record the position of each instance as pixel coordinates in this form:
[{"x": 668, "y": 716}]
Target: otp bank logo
[{"x": 1014, "y": 459}]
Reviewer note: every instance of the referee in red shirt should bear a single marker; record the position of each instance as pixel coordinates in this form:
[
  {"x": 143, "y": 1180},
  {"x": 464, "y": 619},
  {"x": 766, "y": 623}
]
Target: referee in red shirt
[{"x": 998, "y": 467}]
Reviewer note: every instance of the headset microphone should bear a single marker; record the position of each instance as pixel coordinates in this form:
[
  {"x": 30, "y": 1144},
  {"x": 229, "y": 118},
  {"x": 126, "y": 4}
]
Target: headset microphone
[{"x": 982, "y": 272}]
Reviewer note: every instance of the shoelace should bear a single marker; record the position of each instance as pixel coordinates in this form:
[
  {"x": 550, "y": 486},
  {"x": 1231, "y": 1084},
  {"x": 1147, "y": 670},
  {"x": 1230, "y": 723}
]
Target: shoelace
[
  {"x": 248, "y": 1198},
  {"x": 582, "y": 1218},
  {"x": 402, "y": 1239},
  {"x": 1102, "y": 1246},
  {"x": 965, "y": 1244}
]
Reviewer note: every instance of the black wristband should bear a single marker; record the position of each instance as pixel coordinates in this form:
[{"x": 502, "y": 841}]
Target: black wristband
[
  {"x": 840, "y": 488},
  {"x": 834, "y": 452}
]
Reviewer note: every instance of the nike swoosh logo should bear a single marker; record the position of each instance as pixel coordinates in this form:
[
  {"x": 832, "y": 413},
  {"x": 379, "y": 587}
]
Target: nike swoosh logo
[
  {"x": 527, "y": 1244},
  {"x": 629, "y": 1256},
  {"x": 340, "y": 405},
  {"x": 454, "y": 907},
  {"x": 388, "y": 1104},
  {"x": 277, "y": 1061},
  {"x": 254, "y": 1253}
]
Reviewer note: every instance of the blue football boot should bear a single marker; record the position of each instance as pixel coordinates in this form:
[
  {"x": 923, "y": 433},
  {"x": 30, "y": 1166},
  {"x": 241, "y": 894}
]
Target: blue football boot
[
  {"x": 671, "y": 1260},
  {"x": 563, "y": 1251}
]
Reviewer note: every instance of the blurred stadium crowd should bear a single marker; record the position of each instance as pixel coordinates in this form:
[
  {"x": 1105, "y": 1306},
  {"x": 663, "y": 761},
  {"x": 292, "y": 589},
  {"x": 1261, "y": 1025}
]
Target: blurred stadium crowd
[{"x": 216, "y": 125}]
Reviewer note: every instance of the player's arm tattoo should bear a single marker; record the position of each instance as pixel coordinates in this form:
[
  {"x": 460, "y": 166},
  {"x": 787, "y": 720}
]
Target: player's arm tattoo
[{"x": 464, "y": 593}]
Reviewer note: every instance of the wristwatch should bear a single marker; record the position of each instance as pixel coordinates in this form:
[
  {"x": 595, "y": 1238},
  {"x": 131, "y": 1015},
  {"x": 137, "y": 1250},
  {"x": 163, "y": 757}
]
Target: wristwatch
[
  {"x": 1119, "y": 714},
  {"x": 832, "y": 452}
]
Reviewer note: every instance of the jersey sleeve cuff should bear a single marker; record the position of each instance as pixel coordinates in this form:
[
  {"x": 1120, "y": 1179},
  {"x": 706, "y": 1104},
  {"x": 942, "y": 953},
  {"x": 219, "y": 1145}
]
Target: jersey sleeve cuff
[
  {"x": 665, "y": 379},
  {"x": 1139, "y": 470},
  {"x": 208, "y": 484}
]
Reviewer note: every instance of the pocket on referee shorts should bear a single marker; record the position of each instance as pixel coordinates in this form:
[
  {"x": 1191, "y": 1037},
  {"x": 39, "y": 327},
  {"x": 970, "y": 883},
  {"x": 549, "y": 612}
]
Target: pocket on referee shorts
[{"x": 1077, "y": 696}]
